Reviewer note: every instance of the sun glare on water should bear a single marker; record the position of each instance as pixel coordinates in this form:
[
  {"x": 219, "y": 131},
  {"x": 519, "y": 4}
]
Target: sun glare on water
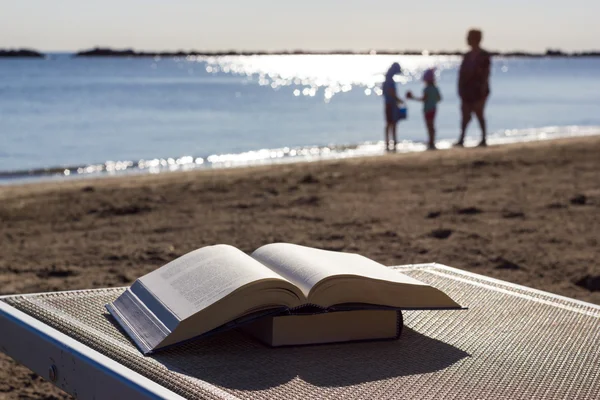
[{"x": 326, "y": 75}]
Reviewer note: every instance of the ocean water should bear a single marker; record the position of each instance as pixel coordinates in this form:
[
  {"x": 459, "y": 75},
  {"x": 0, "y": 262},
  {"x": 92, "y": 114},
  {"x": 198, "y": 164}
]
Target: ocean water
[{"x": 71, "y": 116}]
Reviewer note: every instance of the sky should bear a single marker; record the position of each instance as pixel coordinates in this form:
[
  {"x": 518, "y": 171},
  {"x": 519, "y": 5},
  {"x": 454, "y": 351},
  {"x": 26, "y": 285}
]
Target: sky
[{"x": 70, "y": 25}]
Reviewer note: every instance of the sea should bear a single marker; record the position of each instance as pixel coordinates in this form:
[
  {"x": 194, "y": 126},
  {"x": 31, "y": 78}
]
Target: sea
[{"x": 65, "y": 117}]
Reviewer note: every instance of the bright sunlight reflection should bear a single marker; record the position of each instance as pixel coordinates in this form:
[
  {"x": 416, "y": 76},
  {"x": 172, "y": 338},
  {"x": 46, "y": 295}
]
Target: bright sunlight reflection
[{"x": 326, "y": 75}]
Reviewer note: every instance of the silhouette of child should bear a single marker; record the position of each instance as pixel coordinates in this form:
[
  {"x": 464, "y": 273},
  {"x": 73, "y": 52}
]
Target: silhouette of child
[{"x": 431, "y": 97}]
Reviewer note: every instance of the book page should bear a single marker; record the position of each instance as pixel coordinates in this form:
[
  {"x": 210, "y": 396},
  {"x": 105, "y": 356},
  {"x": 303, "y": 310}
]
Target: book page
[
  {"x": 201, "y": 278},
  {"x": 305, "y": 267}
]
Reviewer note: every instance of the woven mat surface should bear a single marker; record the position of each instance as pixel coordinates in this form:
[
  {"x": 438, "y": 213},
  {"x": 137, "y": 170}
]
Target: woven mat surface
[{"x": 512, "y": 343}]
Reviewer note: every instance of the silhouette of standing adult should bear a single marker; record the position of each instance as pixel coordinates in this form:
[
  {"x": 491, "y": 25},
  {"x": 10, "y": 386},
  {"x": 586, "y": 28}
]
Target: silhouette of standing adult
[{"x": 473, "y": 85}]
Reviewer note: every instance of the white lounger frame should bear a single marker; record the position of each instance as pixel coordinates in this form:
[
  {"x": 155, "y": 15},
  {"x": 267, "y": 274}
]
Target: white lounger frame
[{"x": 77, "y": 369}]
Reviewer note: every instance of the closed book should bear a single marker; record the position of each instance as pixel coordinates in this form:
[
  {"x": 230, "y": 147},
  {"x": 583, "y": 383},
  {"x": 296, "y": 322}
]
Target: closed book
[{"x": 329, "y": 327}]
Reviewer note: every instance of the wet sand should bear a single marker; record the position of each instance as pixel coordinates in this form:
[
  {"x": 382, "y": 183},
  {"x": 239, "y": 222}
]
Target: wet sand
[{"x": 525, "y": 213}]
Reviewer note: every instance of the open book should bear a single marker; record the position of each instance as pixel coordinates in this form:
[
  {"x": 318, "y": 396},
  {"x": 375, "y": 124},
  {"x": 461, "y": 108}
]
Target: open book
[{"x": 220, "y": 287}]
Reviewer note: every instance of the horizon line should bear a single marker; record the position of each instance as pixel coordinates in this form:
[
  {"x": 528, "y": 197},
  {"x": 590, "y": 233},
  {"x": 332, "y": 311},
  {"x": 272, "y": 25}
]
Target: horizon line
[{"x": 134, "y": 52}]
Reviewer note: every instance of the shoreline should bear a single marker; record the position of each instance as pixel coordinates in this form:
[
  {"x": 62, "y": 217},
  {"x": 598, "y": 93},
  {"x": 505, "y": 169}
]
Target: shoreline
[
  {"x": 274, "y": 156},
  {"x": 527, "y": 213}
]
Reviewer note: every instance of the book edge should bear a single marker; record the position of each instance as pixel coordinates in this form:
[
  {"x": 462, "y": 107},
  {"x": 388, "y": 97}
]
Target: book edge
[
  {"x": 129, "y": 327},
  {"x": 155, "y": 305}
]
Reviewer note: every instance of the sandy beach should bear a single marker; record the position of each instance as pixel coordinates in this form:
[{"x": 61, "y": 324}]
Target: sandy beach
[{"x": 526, "y": 213}]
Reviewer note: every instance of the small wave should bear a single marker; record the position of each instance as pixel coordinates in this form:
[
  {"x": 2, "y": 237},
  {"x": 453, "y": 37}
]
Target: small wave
[{"x": 279, "y": 156}]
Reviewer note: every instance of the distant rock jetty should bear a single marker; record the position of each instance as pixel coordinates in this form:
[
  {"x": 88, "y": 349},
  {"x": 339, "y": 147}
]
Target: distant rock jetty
[
  {"x": 20, "y": 53},
  {"x": 130, "y": 53},
  {"x": 107, "y": 52}
]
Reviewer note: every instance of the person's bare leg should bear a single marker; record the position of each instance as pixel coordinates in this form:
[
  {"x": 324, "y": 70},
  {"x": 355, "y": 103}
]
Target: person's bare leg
[
  {"x": 466, "y": 118},
  {"x": 431, "y": 133},
  {"x": 385, "y": 136},
  {"x": 394, "y": 137},
  {"x": 388, "y": 136},
  {"x": 481, "y": 118}
]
